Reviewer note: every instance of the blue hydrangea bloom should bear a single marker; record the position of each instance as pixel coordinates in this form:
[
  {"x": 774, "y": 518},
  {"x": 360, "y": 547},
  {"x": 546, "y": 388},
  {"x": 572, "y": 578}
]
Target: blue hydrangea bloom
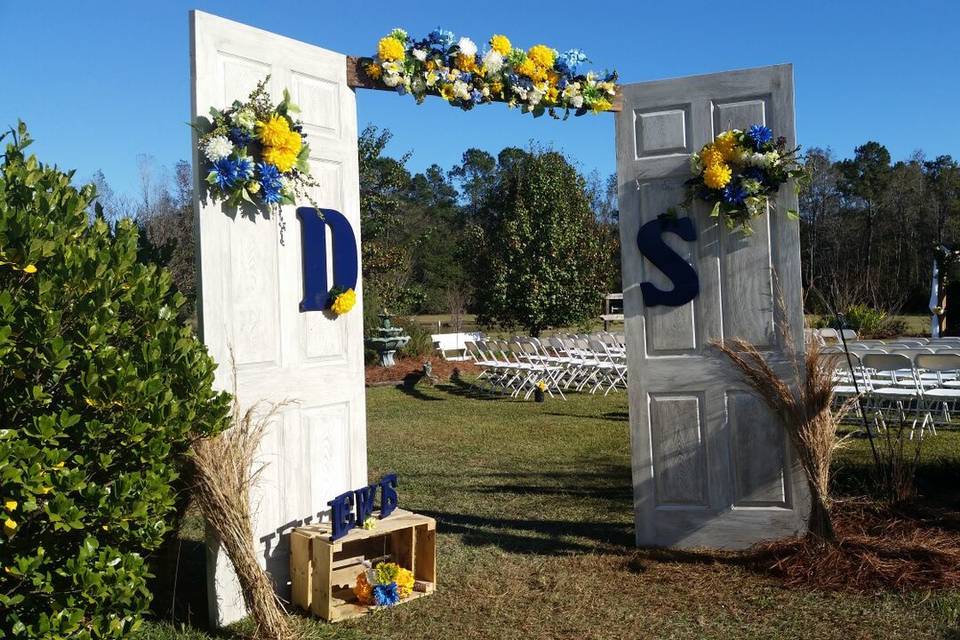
[
  {"x": 568, "y": 61},
  {"x": 760, "y": 135},
  {"x": 240, "y": 136},
  {"x": 476, "y": 96},
  {"x": 270, "y": 184},
  {"x": 441, "y": 38},
  {"x": 386, "y": 595},
  {"x": 734, "y": 193}
]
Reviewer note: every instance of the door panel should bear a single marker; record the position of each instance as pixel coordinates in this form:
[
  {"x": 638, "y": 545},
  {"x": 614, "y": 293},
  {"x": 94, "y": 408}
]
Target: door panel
[
  {"x": 251, "y": 284},
  {"x": 711, "y": 464}
]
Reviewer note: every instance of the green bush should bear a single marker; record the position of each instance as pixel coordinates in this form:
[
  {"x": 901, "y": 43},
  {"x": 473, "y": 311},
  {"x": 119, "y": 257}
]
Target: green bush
[
  {"x": 864, "y": 319},
  {"x": 103, "y": 391},
  {"x": 420, "y": 344}
]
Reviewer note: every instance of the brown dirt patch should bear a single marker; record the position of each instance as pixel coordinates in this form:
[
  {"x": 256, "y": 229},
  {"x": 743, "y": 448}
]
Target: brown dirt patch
[{"x": 442, "y": 369}]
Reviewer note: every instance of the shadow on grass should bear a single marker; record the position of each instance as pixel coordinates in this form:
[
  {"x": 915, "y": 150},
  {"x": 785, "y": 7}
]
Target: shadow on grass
[
  {"x": 464, "y": 389},
  {"x": 614, "y": 416},
  {"x": 416, "y": 394}
]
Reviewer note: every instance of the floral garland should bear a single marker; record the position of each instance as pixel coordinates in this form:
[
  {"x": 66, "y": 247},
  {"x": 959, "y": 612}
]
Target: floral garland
[
  {"x": 342, "y": 300},
  {"x": 739, "y": 172},
  {"x": 538, "y": 80},
  {"x": 257, "y": 153},
  {"x": 384, "y": 585}
]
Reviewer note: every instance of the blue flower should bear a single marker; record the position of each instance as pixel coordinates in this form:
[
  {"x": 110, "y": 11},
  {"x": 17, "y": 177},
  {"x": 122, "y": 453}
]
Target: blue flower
[
  {"x": 754, "y": 173},
  {"x": 441, "y": 38},
  {"x": 760, "y": 135},
  {"x": 240, "y": 137},
  {"x": 270, "y": 183},
  {"x": 466, "y": 77},
  {"x": 386, "y": 595},
  {"x": 734, "y": 193},
  {"x": 230, "y": 171},
  {"x": 568, "y": 61},
  {"x": 476, "y": 96}
]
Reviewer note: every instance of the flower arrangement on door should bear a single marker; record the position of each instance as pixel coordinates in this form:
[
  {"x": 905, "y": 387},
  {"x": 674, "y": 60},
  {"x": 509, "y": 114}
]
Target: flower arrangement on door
[
  {"x": 740, "y": 174},
  {"x": 255, "y": 151},
  {"x": 539, "y": 80}
]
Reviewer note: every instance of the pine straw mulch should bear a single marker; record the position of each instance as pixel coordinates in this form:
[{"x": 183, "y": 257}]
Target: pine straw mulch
[
  {"x": 413, "y": 367},
  {"x": 879, "y": 549}
]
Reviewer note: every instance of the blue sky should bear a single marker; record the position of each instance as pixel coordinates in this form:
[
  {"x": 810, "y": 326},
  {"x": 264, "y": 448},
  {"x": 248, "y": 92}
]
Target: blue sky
[{"x": 101, "y": 82}]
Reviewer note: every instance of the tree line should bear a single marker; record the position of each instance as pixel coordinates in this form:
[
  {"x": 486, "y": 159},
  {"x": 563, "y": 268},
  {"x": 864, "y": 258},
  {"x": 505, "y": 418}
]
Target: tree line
[{"x": 524, "y": 239}]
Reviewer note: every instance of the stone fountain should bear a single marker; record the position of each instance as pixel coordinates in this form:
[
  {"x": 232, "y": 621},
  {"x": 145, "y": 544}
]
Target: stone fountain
[{"x": 388, "y": 339}]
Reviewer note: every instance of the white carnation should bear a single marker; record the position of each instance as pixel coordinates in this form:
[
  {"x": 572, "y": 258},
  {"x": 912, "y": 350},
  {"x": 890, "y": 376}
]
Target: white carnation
[
  {"x": 493, "y": 61},
  {"x": 467, "y": 46},
  {"x": 420, "y": 54},
  {"x": 576, "y": 102},
  {"x": 217, "y": 147},
  {"x": 534, "y": 96},
  {"x": 391, "y": 79}
]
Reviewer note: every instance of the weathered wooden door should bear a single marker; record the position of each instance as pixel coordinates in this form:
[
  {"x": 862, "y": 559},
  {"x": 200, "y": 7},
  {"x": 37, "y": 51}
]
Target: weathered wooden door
[
  {"x": 711, "y": 465},
  {"x": 251, "y": 287}
]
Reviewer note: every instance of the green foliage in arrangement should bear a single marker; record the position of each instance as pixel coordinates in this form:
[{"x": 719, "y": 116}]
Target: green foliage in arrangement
[
  {"x": 540, "y": 261},
  {"x": 103, "y": 390}
]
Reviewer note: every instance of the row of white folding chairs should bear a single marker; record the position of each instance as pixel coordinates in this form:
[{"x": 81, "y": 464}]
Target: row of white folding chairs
[
  {"x": 925, "y": 386},
  {"x": 506, "y": 367}
]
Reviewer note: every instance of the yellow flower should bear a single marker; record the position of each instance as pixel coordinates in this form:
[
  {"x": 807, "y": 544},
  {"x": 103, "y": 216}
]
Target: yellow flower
[
  {"x": 431, "y": 65},
  {"x": 293, "y": 142},
  {"x": 274, "y": 132},
  {"x": 344, "y": 302},
  {"x": 10, "y": 527},
  {"x": 500, "y": 44},
  {"x": 390, "y": 48},
  {"x": 527, "y": 68},
  {"x": 404, "y": 580},
  {"x": 709, "y": 155},
  {"x": 602, "y": 104},
  {"x": 280, "y": 157},
  {"x": 552, "y": 94},
  {"x": 446, "y": 92},
  {"x": 374, "y": 71},
  {"x": 717, "y": 175},
  {"x": 726, "y": 144},
  {"x": 30, "y": 268},
  {"x": 496, "y": 88},
  {"x": 466, "y": 63},
  {"x": 542, "y": 55},
  {"x": 10, "y": 505}
]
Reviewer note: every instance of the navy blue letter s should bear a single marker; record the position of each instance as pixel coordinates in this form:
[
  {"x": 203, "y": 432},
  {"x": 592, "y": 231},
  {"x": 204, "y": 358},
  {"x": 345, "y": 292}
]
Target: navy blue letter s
[{"x": 686, "y": 285}]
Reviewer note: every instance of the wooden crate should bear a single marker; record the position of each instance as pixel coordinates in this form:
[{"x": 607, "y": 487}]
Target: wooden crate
[{"x": 323, "y": 572}]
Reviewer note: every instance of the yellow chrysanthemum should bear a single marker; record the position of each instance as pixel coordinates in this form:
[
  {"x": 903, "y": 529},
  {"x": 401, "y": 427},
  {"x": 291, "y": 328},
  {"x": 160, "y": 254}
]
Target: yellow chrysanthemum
[
  {"x": 446, "y": 92},
  {"x": 553, "y": 78},
  {"x": 293, "y": 142},
  {"x": 274, "y": 132},
  {"x": 344, "y": 302},
  {"x": 390, "y": 48},
  {"x": 527, "y": 68},
  {"x": 500, "y": 44},
  {"x": 552, "y": 94},
  {"x": 717, "y": 175},
  {"x": 404, "y": 580},
  {"x": 709, "y": 155},
  {"x": 466, "y": 63},
  {"x": 280, "y": 157},
  {"x": 726, "y": 144},
  {"x": 542, "y": 55},
  {"x": 374, "y": 71}
]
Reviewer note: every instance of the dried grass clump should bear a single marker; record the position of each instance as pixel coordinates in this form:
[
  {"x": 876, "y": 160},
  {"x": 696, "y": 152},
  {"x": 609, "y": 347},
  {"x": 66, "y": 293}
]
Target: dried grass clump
[
  {"x": 224, "y": 475},
  {"x": 805, "y": 404},
  {"x": 877, "y": 549}
]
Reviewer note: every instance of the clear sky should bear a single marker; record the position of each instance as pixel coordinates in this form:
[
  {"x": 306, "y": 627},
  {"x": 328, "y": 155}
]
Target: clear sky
[{"x": 101, "y": 82}]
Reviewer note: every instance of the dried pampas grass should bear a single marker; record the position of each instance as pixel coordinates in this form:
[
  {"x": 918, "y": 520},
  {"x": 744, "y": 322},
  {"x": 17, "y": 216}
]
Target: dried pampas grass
[
  {"x": 224, "y": 474},
  {"x": 804, "y": 402}
]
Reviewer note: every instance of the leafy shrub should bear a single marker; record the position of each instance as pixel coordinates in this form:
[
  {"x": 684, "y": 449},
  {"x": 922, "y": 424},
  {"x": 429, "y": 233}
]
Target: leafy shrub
[
  {"x": 864, "y": 319},
  {"x": 103, "y": 390},
  {"x": 420, "y": 344}
]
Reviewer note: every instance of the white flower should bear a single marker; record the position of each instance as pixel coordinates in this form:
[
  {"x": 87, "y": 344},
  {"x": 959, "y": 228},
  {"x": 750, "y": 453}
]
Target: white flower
[
  {"x": 420, "y": 54},
  {"x": 751, "y": 185},
  {"x": 754, "y": 159},
  {"x": 432, "y": 78},
  {"x": 244, "y": 118},
  {"x": 696, "y": 166},
  {"x": 460, "y": 90},
  {"x": 771, "y": 158},
  {"x": 217, "y": 147},
  {"x": 467, "y": 46},
  {"x": 576, "y": 102},
  {"x": 391, "y": 67},
  {"x": 493, "y": 61},
  {"x": 520, "y": 91},
  {"x": 391, "y": 79},
  {"x": 485, "y": 91},
  {"x": 534, "y": 96}
]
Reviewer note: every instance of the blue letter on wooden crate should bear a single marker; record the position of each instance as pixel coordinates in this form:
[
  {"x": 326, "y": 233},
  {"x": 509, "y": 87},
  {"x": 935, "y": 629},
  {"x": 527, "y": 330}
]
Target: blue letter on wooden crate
[
  {"x": 341, "y": 515},
  {"x": 316, "y": 289},
  {"x": 686, "y": 285},
  {"x": 388, "y": 495}
]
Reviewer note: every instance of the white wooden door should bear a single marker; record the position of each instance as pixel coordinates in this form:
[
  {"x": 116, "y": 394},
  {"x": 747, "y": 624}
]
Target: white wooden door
[
  {"x": 711, "y": 465},
  {"x": 251, "y": 287}
]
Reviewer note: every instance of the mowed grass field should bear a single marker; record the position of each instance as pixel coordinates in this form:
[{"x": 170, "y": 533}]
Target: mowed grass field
[{"x": 533, "y": 503}]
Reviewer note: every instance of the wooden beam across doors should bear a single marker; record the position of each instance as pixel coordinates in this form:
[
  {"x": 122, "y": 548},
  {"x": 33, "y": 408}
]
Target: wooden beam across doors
[{"x": 357, "y": 79}]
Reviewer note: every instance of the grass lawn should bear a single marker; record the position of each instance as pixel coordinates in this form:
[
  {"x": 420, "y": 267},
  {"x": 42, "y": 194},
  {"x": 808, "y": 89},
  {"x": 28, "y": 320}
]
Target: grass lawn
[{"x": 535, "y": 523}]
